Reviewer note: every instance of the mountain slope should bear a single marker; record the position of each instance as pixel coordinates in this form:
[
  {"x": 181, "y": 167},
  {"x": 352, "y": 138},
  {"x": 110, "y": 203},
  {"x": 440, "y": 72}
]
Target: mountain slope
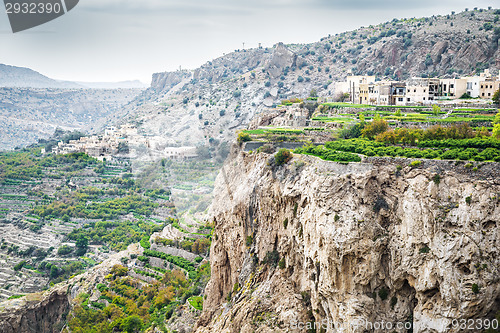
[
  {"x": 224, "y": 94},
  {"x": 28, "y": 114}
]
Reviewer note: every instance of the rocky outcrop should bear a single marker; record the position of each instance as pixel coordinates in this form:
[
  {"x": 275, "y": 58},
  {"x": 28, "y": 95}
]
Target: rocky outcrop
[
  {"x": 281, "y": 59},
  {"x": 351, "y": 245},
  {"x": 166, "y": 80},
  {"x": 35, "y": 312},
  {"x": 47, "y": 312}
]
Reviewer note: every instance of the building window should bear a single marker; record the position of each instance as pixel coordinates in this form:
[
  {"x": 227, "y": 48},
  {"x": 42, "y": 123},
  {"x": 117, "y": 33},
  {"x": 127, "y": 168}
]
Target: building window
[
  {"x": 481, "y": 87},
  {"x": 452, "y": 86},
  {"x": 408, "y": 99},
  {"x": 483, "y": 94},
  {"x": 400, "y": 99},
  {"x": 489, "y": 94},
  {"x": 424, "y": 98}
]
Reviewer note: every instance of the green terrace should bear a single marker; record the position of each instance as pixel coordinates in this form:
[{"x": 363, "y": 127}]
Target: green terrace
[{"x": 457, "y": 142}]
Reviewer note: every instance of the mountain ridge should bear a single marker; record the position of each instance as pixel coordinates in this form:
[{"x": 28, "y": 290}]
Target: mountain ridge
[{"x": 224, "y": 94}]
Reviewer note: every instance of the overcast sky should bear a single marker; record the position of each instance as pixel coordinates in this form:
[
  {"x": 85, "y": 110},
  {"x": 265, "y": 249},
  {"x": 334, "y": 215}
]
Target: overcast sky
[{"x": 114, "y": 40}]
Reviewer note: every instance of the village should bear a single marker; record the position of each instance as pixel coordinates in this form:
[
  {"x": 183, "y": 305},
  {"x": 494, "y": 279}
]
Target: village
[
  {"x": 122, "y": 143},
  {"x": 416, "y": 91}
]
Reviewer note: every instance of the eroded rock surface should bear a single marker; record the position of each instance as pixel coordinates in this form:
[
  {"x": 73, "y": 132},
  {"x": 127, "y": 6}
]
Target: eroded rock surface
[{"x": 315, "y": 241}]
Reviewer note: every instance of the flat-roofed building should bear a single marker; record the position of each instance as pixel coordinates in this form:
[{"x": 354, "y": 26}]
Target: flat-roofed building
[
  {"x": 422, "y": 90},
  {"x": 452, "y": 88}
]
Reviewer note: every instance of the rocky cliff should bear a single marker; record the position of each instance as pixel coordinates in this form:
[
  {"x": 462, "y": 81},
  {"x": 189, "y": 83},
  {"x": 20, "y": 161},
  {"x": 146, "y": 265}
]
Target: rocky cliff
[
  {"x": 347, "y": 246},
  {"x": 49, "y": 311}
]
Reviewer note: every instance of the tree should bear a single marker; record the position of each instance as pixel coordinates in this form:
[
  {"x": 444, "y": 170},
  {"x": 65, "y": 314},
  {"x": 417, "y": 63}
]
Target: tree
[
  {"x": 377, "y": 126},
  {"x": 428, "y": 60},
  {"x": 496, "y": 131},
  {"x": 497, "y": 119},
  {"x": 282, "y": 156},
  {"x": 313, "y": 93},
  {"x": 496, "y": 97},
  {"x": 436, "y": 109},
  {"x": 243, "y": 137},
  {"x": 54, "y": 271},
  {"x": 119, "y": 270},
  {"x": 131, "y": 324}
]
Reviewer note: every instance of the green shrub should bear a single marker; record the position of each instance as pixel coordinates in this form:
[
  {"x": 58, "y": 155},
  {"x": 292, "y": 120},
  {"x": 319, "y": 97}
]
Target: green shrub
[
  {"x": 64, "y": 250},
  {"x": 285, "y": 223},
  {"x": 282, "y": 263},
  {"x": 249, "y": 240},
  {"x": 20, "y": 265},
  {"x": 436, "y": 179},
  {"x": 468, "y": 200},
  {"x": 415, "y": 164},
  {"x": 243, "y": 137},
  {"x": 272, "y": 258},
  {"x": 282, "y": 156},
  {"x": 424, "y": 249},
  {"x": 145, "y": 242},
  {"x": 475, "y": 288}
]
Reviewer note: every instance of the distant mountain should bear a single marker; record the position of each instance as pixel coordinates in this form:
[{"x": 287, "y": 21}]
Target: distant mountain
[
  {"x": 12, "y": 76},
  {"x": 131, "y": 84},
  {"x": 22, "y": 77}
]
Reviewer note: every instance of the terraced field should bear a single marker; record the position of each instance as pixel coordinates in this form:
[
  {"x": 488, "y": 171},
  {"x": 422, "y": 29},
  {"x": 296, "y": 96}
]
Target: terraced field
[{"x": 46, "y": 199}]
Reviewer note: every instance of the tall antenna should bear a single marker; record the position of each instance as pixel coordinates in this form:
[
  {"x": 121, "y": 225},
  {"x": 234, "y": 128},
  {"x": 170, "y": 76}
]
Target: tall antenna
[{"x": 243, "y": 45}]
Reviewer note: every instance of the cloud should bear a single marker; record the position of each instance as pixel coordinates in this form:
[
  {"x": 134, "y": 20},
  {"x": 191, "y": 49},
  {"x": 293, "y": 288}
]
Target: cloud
[{"x": 188, "y": 8}]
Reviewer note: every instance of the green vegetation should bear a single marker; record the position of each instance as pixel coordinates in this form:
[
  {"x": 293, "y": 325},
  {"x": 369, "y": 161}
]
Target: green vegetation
[
  {"x": 116, "y": 235},
  {"x": 196, "y": 302},
  {"x": 78, "y": 207},
  {"x": 424, "y": 249},
  {"x": 475, "y": 288},
  {"x": 455, "y": 142},
  {"x": 282, "y": 156},
  {"x": 179, "y": 261},
  {"x": 327, "y": 153},
  {"x": 15, "y": 296},
  {"x": 134, "y": 306},
  {"x": 243, "y": 137}
]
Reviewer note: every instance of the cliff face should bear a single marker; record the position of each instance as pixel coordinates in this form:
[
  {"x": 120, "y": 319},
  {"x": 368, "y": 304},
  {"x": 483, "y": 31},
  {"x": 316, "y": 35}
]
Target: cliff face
[
  {"x": 349, "y": 245},
  {"x": 36, "y": 313}
]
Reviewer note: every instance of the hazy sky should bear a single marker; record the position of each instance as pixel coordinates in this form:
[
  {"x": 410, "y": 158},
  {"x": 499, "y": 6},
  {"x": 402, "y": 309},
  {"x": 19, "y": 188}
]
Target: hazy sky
[{"x": 113, "y": 40}]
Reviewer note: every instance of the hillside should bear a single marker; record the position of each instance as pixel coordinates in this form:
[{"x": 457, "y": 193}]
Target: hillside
[
  {"x": 211, "y": 102},
  {"x": 28, "y": 114}
]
